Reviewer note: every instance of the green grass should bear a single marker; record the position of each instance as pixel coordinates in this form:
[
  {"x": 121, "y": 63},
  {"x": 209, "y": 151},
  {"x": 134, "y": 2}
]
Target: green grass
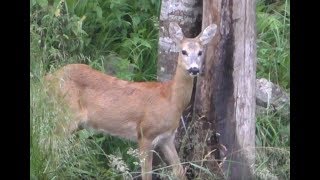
[
  {"x": 273, "y": 27},
  {"x": 123, "y": 42},
  {"x": 273, "y": 128},
  {"x": 120, "y": 37}
]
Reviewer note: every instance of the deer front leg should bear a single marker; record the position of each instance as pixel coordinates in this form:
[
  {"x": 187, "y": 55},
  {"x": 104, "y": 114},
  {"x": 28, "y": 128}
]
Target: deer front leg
[
  {"x": 146, "y": 154},
  {"x": 171, "y": 155}
]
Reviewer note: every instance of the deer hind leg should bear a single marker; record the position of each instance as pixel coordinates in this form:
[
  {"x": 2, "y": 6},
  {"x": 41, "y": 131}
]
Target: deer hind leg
[
  {"x": 146, "y": 156},
  {"x": 76, "y": 123},
  {"x": 70, "y": 126},
  {"x": 78, "y": 115},
  {"x": 169, "y": 151}
]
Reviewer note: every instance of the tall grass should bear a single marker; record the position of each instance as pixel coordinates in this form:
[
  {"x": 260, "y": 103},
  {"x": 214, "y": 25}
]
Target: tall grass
[
  {"x": 273, "y": 27},
  {"x": 273, "y": 128},
  {"x": 120, "y": 37},
  {"x": 97, "y": 32}
]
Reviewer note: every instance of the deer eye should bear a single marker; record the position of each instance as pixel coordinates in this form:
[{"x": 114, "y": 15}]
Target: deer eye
[
  {"x": 184, "y": 52},
  {"x": 199, "y": 53}
]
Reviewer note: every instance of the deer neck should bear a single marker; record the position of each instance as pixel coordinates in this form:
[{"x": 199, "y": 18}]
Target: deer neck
[{"x": 182, "y": 85}]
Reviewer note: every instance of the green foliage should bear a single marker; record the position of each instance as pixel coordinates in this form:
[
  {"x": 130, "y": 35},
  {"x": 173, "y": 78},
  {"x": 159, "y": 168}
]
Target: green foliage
[
  {"x": 273, "y": 146},
  {"x": 273, "y": 41},
  {"x": 273, "y": 129},
  {"x": 126, "y": 29},
  {"x": 115, "y": 36},
  {"x": 54, "y": 156}
]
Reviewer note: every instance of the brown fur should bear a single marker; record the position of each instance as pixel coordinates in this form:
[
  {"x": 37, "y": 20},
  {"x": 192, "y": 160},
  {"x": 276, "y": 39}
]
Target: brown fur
[
  {"x": 121, "y": 108},
  {"x": 147, "y": 112}
]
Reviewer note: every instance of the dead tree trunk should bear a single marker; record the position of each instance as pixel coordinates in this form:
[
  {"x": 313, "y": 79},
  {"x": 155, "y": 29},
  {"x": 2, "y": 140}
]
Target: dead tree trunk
[
  {"x": 225, "y": 95},
  {"x": 223, "y": 111},
  {"x": 238, "y": 131}
]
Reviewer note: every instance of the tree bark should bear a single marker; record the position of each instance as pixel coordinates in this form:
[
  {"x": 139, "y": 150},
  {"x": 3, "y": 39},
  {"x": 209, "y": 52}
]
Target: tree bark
[{"x": 238, "y": 130}]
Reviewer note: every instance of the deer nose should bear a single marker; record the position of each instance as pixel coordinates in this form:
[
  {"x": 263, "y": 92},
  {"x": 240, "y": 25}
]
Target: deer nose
[{"x": 194, "y": 71}]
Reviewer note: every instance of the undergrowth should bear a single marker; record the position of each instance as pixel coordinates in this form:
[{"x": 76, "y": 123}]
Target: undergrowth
[{"x": 273, "y": 63}]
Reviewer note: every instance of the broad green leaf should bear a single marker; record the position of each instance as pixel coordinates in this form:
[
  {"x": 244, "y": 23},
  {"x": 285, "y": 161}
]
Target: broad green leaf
[{"x": 99, "y": 11}]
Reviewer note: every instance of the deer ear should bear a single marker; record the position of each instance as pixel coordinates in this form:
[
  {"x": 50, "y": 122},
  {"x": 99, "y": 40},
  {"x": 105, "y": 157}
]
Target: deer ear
[
  {"x": 207, "y": 34},
  {"x": 175, "y": 32}
]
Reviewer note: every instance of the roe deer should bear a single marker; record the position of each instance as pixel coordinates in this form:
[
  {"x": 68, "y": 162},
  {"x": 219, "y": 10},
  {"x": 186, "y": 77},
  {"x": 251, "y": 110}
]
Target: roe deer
[{"x": 147, "y": 112}]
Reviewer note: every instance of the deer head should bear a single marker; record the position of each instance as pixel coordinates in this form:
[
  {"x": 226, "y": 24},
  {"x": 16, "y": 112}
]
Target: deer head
[{"x": 191, "y": 49}]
